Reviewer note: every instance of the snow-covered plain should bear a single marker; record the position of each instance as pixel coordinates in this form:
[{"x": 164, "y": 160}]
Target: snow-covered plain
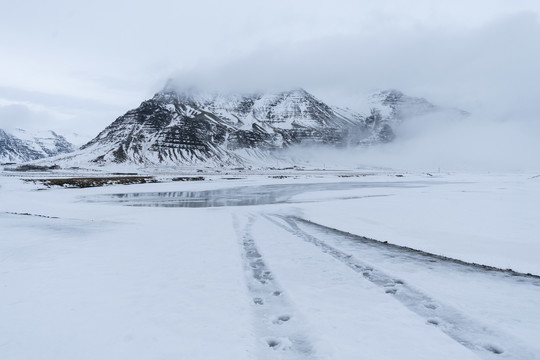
[{"x": 84, "y": 275}]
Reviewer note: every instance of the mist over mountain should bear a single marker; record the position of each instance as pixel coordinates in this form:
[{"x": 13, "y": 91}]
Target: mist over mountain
[{"x": 190, "y": 126}]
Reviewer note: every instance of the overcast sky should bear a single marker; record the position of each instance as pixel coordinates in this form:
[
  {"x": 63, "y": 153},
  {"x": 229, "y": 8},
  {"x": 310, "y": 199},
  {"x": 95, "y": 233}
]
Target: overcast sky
[{"x": 74, "y": 66}]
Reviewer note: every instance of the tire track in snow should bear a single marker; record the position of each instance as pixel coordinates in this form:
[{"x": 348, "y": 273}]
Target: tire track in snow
[
  {"x": 484, "y": 342},
  {"x": 280, "y": 331},
  {"x": 420, "y": 256}
]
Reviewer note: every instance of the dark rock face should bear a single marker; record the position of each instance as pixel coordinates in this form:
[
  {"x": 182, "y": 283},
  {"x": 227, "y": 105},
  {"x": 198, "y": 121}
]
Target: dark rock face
[
  {"x": 223, "y": 129},
  {"x": 21, "y": 146}
]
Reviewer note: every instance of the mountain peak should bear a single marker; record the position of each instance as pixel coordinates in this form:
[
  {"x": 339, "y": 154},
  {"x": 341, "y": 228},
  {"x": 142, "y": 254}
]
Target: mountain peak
[
  {"x": 299, "y": 92},
  {"x": 173, "y": 90}
]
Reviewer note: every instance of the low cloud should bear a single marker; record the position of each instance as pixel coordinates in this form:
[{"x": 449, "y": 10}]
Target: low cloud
[
  {"x": 490, "y": 68},
  {"x": 490, "y": 71},
  {"x": 37, "y": 118},
  {"x": 437, "y": 142},
  {"x": 14, "y": 116}
]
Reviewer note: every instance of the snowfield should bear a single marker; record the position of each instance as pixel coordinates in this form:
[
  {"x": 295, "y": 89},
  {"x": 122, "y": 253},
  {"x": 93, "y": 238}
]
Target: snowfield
[{"x": 296, "y": 265}]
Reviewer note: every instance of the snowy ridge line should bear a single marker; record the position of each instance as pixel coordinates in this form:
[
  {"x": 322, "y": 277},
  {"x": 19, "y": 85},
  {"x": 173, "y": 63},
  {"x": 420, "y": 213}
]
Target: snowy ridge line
[
  {"x": 426, "y": 254},
  {"x": 471, "y": 334},
  {"x": 279, "y": 329}
]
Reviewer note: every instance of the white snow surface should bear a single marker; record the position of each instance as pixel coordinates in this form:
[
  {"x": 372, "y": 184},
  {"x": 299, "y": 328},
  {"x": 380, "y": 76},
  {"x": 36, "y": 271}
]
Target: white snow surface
[
  {"x": 83, "y": 276},
  {"x": 492, "y": 220}
]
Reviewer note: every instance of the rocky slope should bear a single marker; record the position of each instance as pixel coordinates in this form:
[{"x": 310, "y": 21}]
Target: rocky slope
[{"x": 20, "y": 145}]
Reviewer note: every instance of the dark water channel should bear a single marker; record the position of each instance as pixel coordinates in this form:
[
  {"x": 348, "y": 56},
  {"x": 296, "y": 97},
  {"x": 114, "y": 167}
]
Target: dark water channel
[{"x": 241, "y": 196}]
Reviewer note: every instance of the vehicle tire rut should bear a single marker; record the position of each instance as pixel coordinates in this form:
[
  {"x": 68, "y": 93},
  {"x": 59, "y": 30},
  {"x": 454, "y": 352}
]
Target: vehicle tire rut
[{"x": 485, "y": 342}]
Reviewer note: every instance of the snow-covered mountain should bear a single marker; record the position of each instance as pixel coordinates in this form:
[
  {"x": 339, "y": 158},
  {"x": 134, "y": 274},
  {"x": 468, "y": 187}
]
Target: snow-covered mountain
[
  {"x": 19, "y": 145},
  {"x": 194, "y": 127}
]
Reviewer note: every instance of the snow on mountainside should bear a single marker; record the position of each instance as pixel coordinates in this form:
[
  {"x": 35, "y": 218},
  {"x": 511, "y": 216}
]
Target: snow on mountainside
[
  {"x": 19, "y": 145},
  {"x": 394, "y": 106},
  {"x": 194, "y": 127}
]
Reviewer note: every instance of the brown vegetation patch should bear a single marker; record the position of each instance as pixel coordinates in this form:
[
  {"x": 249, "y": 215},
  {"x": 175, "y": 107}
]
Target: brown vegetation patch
[
  {"x": 188, "y": 178},
  {"x": 85, "y": 182}
]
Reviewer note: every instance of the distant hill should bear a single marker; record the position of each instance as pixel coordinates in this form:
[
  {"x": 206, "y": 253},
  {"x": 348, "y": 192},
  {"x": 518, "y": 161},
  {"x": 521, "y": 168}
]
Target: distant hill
[{"x": 21, "y": 145}]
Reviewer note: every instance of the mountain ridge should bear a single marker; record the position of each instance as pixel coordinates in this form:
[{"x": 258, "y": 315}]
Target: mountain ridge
[
  {"x": 19, "y": 145},
  {"x": 194, "y": 127}
]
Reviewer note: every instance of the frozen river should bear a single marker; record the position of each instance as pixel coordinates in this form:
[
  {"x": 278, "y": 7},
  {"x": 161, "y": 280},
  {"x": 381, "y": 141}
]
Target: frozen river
[{"x": 244, "y": 196}]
